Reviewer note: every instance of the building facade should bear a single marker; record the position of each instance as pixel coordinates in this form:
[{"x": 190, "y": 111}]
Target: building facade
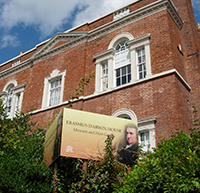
[{"x": 146, "y": 62}]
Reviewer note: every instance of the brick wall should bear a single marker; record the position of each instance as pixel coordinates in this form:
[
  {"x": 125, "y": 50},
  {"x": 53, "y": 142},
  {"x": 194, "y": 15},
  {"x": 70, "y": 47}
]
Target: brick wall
[{"x": 166, "y": 97}]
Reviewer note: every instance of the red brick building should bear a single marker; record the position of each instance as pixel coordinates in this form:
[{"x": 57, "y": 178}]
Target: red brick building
[{"x": 146, "y": 62}]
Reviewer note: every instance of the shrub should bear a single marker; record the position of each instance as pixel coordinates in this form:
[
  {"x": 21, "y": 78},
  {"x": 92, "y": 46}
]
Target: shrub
[
  {"x": 173, "y": 167},
  {"x": 98, "y": 176},
  {"x": 21, "y": 156}
]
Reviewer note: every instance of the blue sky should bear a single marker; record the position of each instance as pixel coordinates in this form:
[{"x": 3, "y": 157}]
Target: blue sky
[{"x": 25, "y": 23}]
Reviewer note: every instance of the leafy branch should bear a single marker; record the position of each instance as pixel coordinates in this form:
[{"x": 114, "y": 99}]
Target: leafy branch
[{"x": 81, "y": 86}]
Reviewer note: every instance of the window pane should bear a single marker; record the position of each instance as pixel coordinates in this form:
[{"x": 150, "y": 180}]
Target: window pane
[
  {"x": 140, "y": 68},
  {"x": 118, "y": 72},
  {"x": 139, "y": 53},
  {"x": 123, "y": 70},
  {"x": 139, "y": 60},
  {"x": 122, "y": 54},
  {"x": 143, "y": 58},
  {"x": 52, "y": 84},
  {"x": 9, "y": 99},
  {"x": 54, "y": 94},
  {"x": 142, "y": 136},
  {"x": 143, "y": 51},
  {"x": 123, "y": 75},
  {"x": 129, "y": 68},
  {"x": 18, "y": 101},
  {"x": 118, "y": 82},
  {"x": 124, "y": 80},
  {"x": 147, "y": 135},
  {"x": 129, "y": 77},
  {"x": 140, "y": 75}
]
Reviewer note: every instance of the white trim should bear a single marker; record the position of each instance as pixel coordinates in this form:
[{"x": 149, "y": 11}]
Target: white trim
[
  {"x": 155, "y": 76},
  {"x": 109, "y": 55},
  {"x": 14, "y": 82},
  {"x": 122, "y": 112},
  {"x": 55, "y": 74},
  {"x": 173, "y": 71},
  {"x": 101, "y": 57},
  {"x": 168, "y": 4},
  {"x": 17, "y": 89},
  {"x": 118, "y": 38},
  {"x": 148, "y": 125},
  {"x": 19, "y": 56}
]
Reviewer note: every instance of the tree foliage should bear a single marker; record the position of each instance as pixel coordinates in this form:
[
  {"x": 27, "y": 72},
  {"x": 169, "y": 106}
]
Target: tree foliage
[
  {"x": 173, "y": 167},
  {"x": 76, "y": 175},
  {"x": 21, "y": 156}
]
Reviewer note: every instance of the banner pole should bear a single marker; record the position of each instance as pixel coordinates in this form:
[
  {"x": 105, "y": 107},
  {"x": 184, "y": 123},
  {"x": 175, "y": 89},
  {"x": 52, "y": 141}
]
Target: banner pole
[
  {"x": 85, "y": 165},
  {"x": 129, "y": 169},
  {"x": 55, "y": 176}
]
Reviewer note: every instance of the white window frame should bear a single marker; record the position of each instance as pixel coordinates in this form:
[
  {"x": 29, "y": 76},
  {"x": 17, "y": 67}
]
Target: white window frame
[
  {"x": 9, "y": 99},
  {"x": 122, "y": 61},
  {"x": 141, "y": 64},
  {"x": 109, "y": 55},
  {"x": 145, "y": 143},
  {"x": 147, "y": 125},
  {"x": 144, "y": 125},
  {"x": 104, "y": 75},
  {"x": 58, "y": 79},
  {"x": 16, "y": 103},
  {"x": 137, "y": 43},
  {"x": 47, "y": 80}
]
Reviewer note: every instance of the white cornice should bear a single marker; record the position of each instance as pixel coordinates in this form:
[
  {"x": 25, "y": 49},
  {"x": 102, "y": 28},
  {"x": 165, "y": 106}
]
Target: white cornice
[
  {"x": 137, "y": 15},
  {"x": 139, "y": 39},
  {"x": 148, "y": 120},
  {"x": 19, "y": 56},
  {"x": 104, "y": 53},
  {"x": 15, "y": 69}
]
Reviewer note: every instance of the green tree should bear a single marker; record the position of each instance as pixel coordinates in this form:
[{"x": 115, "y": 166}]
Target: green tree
[{"x": 21, "y": 156}]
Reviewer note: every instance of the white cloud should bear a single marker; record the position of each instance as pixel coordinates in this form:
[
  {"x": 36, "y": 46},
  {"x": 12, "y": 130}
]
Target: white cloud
[
  {"x": 98, "y": 8},
  {"x": 9, "y": 40},
  {"x": 49, "y": 15}
]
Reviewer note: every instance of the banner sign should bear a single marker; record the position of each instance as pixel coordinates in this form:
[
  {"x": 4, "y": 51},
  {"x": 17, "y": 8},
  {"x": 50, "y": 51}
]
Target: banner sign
[
  {"x": 83, "y": 134},
  {"x": 53, "y": 140}
]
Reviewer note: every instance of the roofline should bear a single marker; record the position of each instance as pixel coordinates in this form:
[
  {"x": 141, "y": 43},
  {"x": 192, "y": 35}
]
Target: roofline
[
  {"x": 72, "y": 29},
  {"x": 24, "y": 53}
]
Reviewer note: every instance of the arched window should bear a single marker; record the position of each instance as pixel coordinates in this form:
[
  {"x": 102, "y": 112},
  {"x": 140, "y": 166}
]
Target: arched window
[
  {"x": 9, "y": 99},
  {"x": 122, "y": 63},
  {"x": 126, "y": 61},
  {"x": 12, "y": 96}
]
